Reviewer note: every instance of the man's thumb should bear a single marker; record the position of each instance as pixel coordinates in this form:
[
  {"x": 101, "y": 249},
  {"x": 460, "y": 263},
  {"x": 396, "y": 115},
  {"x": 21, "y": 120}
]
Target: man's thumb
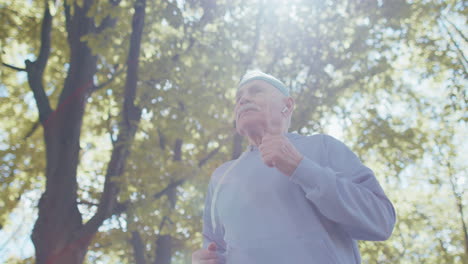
[{"x": 212, "y": 247}]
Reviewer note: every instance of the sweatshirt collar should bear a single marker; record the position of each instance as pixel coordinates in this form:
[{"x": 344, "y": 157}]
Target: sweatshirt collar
[{"x": 290, "y": 136}]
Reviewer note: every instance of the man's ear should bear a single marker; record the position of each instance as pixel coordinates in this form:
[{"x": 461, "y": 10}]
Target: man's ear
[{"x": 290, "y": 103}]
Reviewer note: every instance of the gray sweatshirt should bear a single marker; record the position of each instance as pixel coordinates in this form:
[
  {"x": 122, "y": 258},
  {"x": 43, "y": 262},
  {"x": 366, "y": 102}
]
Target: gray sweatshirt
[{"x": 261, "y": 216}]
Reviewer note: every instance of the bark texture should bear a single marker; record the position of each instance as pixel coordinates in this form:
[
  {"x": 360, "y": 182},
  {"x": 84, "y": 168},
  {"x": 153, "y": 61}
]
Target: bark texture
[{"x": 59, "y": 235}]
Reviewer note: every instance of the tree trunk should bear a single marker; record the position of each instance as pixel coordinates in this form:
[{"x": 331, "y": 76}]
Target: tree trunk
[
  {"x": 59, "y": 218},
  {"x": 59, "y": 236},
  {"x": 164, "y": 242},
  {"x": 138, "y": 248},
  {"x": 236, "y": 146},
  {"x": 163, "y": 249}
]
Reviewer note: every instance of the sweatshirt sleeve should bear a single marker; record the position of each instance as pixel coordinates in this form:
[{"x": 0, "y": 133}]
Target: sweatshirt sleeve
[
  {"x": 346, "y": 192},
  {"x": 210, "y": 235}
]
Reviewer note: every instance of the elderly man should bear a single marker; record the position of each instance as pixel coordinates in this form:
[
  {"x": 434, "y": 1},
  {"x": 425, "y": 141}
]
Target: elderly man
[{"x": 289, "y": 199}]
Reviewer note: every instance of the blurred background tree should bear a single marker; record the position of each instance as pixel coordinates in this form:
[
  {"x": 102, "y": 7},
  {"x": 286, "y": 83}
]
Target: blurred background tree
[{"x": 117, "y": 112}]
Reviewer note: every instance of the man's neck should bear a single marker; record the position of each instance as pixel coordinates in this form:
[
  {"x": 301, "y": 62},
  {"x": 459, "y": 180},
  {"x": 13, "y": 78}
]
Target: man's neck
[{"x": 255, "y": 137}]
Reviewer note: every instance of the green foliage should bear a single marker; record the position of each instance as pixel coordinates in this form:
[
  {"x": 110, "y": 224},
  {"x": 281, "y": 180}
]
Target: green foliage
[{"x": 392, "y": 72}]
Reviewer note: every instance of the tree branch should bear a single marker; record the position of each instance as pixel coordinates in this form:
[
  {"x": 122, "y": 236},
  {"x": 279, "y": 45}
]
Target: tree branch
[
  {"x": 46, "y": 29},
  {"x": 462, "y": 59},
  {"x": 122, "y": 207},
  {"x": 138, "y": 248},
  {"x": 36, "y": 69},
  {"x": 162, "y": 139},
  {"x": 459, "y": 203},
  {"x": 87, "y": 203},
  {"x": 109, "y": 128},
  {"x": 168, "y": 188},
  {"x": 33, "y": 129},
  {"x": 456, "y": 29},
  {"x": 178, "y": 150},
  {"x": 457, "y": 195},
  {"x": 104, "y": 84},
  {"x": 13, "y": 67},
  {"x": 161, "y": 225},
  {"x": 127, "y": 128},
  {"x": 208, "y": 156},
  {"x": 236, "y": 145},
  {"x": 13, "y": 235}
]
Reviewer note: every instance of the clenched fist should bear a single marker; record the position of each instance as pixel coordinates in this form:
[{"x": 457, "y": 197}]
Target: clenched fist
[
  {"x": 206, "y": 256},
  {"x": 277, "y": 151}
]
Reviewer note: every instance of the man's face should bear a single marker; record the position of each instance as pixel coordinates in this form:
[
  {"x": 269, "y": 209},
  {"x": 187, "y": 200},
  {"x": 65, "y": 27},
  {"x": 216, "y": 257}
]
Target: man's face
[{"x": 258, "y": 106}]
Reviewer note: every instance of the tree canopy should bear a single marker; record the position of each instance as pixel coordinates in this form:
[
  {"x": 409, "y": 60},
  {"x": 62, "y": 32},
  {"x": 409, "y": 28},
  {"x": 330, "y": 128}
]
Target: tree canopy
[{"x": 115, "y": 113}]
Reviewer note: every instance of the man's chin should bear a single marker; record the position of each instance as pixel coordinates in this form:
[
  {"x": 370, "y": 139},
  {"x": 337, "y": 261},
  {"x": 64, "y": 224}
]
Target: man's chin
[{"x": 249, "y": 127}]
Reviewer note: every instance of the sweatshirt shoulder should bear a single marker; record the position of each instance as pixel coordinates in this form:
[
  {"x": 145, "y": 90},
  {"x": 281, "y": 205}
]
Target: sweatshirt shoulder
[
  {"x": 317, "y": 143},
  {"x": 220, "y": 170},
  {"x": 308, "y": 139},
  {"x": 316, "y": 138}
]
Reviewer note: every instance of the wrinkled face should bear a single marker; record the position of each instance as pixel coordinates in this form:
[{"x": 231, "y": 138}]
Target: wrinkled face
[{"x": 259, "y": 106}]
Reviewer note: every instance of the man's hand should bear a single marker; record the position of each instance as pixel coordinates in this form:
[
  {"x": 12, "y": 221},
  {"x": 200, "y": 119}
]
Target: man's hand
[
  {"x": 277, "y": 151},
  {"x": 206, "y": 256}
]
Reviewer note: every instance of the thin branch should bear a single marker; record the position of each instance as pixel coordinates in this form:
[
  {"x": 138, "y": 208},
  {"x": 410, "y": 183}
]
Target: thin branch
[
  {"x": 456, "y": 194},
  {"x": 459, "y": 204},
  {"x": 87, "y": 203},
  {"x": 13, "y": 235},
  {"x": 209, "y": 8},
  {"x": 177, "y": 150},
  {"x": 456, "y": 29},
  {"x": 403, "y": 242},
  {"x": 177, "y": 56},
  {"x": 168, "y": 188},
  {"x": 13, "y": 67},
  {"x": 161, "y": 225},
  {"x": 109, "y": 81},
  {"x": 68, "y": 19},
  {"x": 32, "y": 130},
  {"x": 162, "y": 139},
  {"x": 208, "y": 156},
  {"x": 122, "y": 207},
  {"x": 109, "y": 128},
  {"x": 462, "y": 59}
]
